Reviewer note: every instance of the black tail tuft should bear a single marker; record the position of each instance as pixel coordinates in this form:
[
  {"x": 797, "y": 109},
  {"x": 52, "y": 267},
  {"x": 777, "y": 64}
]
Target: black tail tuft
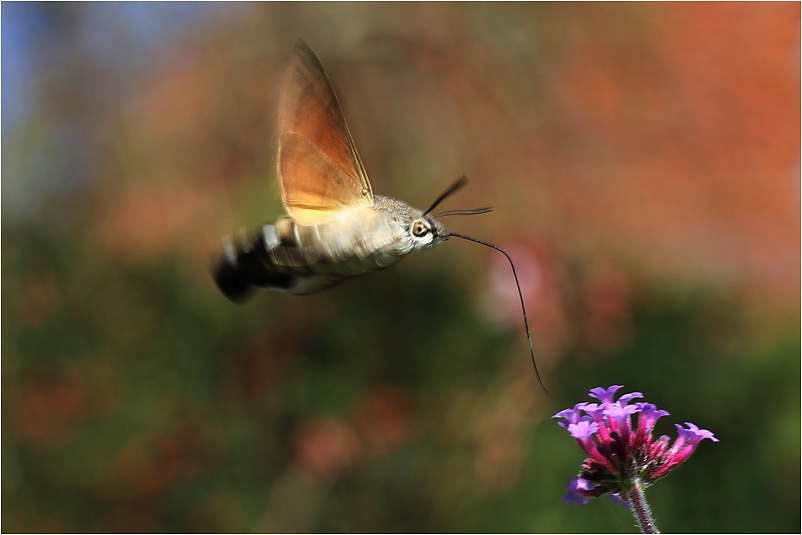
[
  {"x": 232, "y": 281},
  {"x": 247, "y": 266}
]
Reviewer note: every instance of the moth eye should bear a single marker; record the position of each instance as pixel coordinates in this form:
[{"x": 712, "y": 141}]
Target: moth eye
[{"x": 419, "y": 229}]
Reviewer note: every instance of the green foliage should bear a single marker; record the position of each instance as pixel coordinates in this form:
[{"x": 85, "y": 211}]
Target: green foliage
[{"x": 136, "y": 399}]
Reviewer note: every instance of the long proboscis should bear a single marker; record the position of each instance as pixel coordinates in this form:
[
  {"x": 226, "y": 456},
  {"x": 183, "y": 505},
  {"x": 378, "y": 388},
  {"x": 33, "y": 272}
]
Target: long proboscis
[{"x": 520, "y": 295}]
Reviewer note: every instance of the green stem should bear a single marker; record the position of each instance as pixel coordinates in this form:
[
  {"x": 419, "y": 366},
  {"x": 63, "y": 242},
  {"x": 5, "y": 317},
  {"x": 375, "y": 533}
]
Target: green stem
[{"x": 640, "y": 508}]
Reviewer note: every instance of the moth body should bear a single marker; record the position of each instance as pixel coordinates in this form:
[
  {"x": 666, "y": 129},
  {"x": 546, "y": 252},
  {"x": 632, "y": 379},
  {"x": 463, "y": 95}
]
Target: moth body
[{"x": 287, "y": 255}]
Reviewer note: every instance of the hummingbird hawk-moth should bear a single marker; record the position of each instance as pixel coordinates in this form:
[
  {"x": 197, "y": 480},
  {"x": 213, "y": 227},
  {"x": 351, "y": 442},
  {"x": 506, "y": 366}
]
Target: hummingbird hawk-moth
[{"x": 335, "y": 228}]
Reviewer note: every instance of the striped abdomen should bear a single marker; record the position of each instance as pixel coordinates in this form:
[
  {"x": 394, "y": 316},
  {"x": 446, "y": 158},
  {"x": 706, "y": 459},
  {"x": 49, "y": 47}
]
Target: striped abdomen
[{"x": 302, "y": 259}]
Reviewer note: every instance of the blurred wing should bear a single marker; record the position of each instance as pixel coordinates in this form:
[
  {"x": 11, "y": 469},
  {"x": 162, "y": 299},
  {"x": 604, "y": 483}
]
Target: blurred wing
[{"x": 319, "y": 169}]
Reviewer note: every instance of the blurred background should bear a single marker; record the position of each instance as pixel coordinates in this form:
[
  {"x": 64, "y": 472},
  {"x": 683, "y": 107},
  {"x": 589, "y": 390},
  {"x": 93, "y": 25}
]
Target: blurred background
[{"x": 644, "y": 163}]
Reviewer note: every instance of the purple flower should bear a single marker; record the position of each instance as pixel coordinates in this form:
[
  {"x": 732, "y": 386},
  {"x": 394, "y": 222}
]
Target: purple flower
[
  {"x": 617, "y": 437},
  {"x": 617, "y": 498},
  {"x": 576, "y": 489}
]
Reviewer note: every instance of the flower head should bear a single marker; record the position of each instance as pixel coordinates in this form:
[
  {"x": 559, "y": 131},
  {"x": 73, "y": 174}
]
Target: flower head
[{"x": 617, "y": 437}]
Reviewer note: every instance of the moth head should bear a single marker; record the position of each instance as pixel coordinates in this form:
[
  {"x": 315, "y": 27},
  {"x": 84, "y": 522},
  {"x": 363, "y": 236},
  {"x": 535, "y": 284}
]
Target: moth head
[{"x": 426, "y": 232}]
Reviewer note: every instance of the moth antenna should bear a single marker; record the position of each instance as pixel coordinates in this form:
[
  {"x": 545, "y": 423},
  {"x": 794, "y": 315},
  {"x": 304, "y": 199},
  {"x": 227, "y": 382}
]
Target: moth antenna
[
  {"x": 520, "y": 295},
  {"x": 452, "y": 189},
  {"x": 471, "y": 211}
]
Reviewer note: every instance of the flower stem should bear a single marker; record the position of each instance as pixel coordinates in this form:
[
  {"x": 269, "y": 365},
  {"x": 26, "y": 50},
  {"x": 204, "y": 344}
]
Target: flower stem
[{"x": 640, "y": 508}]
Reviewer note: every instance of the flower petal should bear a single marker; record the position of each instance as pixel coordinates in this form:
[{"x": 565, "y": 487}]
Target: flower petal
[
  {"x": 605, "y": 395},
  {"x": 576, "y": 487}
]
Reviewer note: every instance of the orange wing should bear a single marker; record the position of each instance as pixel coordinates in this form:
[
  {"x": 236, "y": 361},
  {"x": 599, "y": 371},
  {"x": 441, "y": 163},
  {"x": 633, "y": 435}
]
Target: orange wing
[{"x": 319, "y": 169}]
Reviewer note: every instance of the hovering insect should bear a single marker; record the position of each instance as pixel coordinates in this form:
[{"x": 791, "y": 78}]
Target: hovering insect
[{"x": 335, "y": 227}]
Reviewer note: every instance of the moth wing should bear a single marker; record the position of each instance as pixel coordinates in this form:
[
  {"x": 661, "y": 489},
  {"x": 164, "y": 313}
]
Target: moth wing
[{"x": 319, "y": 170}]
